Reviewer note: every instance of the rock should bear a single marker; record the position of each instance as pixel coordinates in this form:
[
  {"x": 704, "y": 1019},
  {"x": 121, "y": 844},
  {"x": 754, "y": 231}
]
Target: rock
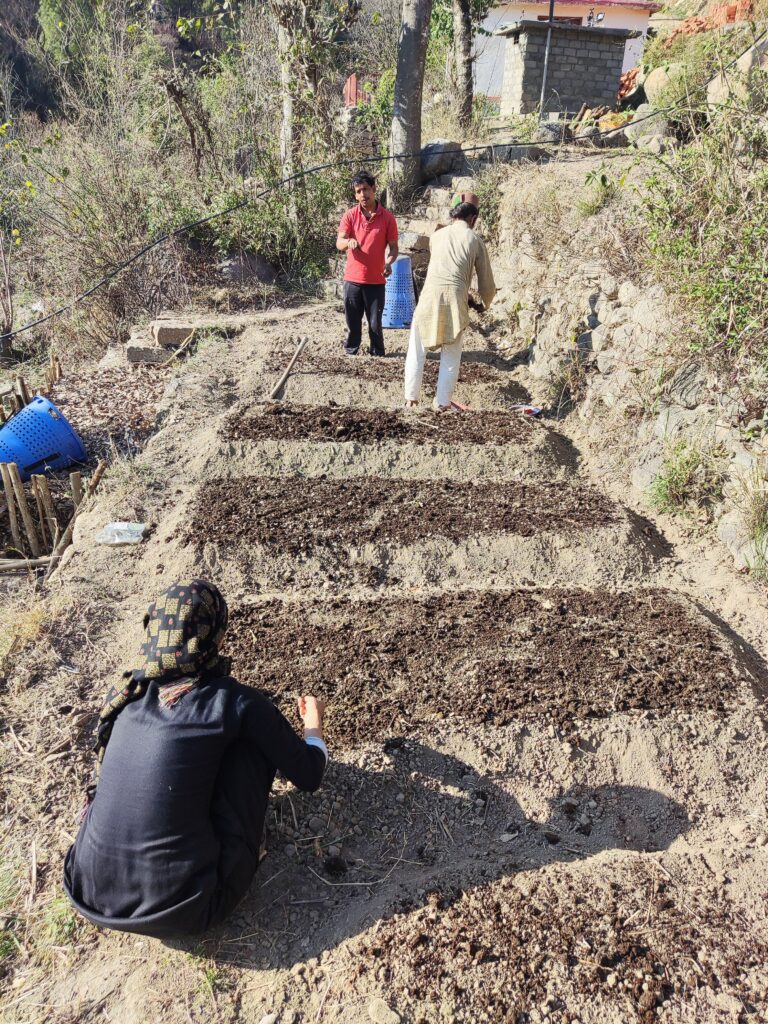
[
  {"x": 647, "y": 121},
  {"x": 687, "y": 386},
  {"x": 247, "y": 268},
  {"x": 316, "y": 825},
  {"x": 553, "y": 131},
  {"x": 609, "y": 286},
  {"x": 516, "y": 154},
  {"x": 606, "y": 362},
  {"x": 627, "y": 294},
  {"x": 654, "y": 144},
  {"x": 138, "y": 354},
  {"x": 269, "y": 1018},
  {"x": 380, "y": 1013},
  {"x": 732, "y": 532},
  {"x": 740, "y": 81},
  {"x": 660, "y": 80},
  {"x": 171, "y": 333},
  {"x": 600, "y": 338},
  {"x": 440, "y": 157},
  {"x": 761, "y": 840},
  {"x": 644, "y": 474}
]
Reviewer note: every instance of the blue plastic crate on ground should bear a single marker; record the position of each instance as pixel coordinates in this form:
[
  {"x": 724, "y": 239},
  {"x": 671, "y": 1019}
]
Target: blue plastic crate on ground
[{"x": 39, "y": 438}]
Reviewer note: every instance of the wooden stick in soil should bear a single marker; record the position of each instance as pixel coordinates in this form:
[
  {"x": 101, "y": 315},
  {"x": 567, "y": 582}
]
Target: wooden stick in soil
[
  {"x": 66, "y": 538},
  {"x": 21, "y": 498},
  {"x": 58, "y": 368},
  {"x": 13, "y": 564},
  {"x": 23, "y": 390},
  {"x": 76, "y": 483},
  {"x": 10, "y": 502},
  {"x": 51, "y": 518},
  {"x": 276, "y": 389},
  {"x": 40, "y": 511},
  {"x": 182, "y": 348}
]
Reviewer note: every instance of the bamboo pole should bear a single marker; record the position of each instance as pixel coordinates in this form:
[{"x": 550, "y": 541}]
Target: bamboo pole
[
  {"x": 10, "y": 564},
  {"x": 51, "y": 518},
  {"x": 276, "y": 389},
  {"x": 11, "y": 503},
  {"x": 26, "y": 516},
  {"x": 76, "y": 483},
  {"x": 66, "y": 538},
  {"x": 23, "y": 390},
  {"x": 40, "y": 510}
]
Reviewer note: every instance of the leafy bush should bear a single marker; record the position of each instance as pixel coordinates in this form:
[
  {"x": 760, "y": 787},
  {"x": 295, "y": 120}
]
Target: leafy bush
[
  {"x": 707, "y": 229},
  {"x": 691, "y": 480}
]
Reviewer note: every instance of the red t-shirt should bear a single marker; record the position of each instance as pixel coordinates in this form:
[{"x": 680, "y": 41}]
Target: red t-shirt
[{"x": 365, "y": 265}]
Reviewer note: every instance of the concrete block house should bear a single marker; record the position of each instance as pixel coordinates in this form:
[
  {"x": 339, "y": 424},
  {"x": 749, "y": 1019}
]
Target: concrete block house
[{"x": 490, "y": 50}]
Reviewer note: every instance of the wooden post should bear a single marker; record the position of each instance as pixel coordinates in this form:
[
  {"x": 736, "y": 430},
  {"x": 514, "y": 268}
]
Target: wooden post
[
  {"x": 11, "y": 503},
  {"x": 50, "y": 510},
  {"x": 57, "y": 366},
  {"x": 76, "y": 483},
  {"x": 23, "y": 390},
  {"x": 66, "y": 537},
  {"x": 26, "y": 516},
  {"x": 35, "y": 480}
]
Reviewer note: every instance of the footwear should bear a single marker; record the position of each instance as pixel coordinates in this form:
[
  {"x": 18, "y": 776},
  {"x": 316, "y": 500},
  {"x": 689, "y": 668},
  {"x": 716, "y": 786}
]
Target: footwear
[{"x": 351, "y": 352}]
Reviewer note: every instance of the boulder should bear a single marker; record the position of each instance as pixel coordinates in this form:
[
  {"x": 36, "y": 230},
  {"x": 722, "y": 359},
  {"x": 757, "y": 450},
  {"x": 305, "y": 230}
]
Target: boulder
[
  {"x": 687, "y": 386},
  {"x": 647, "y": 121},
  {"x": 655, "y": 144},
  {"x": 661, "y": 83},
  {"x": 441, "y": 157},
  {"x": 738, "y": 82},
  {"x": 733, "y": 533},
  {"x": 517, "y": 154},
  {"x": 553, "y": 131},
  {"x": 247, "y": 268}
]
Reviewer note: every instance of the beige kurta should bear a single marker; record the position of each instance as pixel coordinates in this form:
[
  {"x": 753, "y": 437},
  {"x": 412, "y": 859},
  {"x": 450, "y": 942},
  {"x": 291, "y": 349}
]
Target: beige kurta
[{"x": 442, "y": 312}]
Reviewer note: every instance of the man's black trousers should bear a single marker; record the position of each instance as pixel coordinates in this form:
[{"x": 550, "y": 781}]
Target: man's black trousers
[{"x": 368, "y": 299}]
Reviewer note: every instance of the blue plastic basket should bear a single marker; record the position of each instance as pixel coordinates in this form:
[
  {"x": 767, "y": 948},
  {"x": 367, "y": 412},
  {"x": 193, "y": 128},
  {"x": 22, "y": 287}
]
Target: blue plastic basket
[
  {"x": 399, "y": 299},
  {"x": 39, "y": 438}
]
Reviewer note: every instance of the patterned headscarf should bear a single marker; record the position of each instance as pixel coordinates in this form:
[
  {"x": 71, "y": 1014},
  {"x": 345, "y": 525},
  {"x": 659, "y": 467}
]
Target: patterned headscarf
[{"x": 184, "y": 631}]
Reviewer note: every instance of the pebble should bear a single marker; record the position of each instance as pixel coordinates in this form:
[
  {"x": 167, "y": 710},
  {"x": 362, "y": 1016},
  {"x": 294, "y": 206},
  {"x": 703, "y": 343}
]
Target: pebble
[
  {"x": 400, "y": 798},
  {"x": 334, "y": 851},
  {"x": 380, "y": 1013},
  {"x": 290, "y": 850},
  {"x": 761, "y": 841},
  {"x": 612, "y": 980},
  {"x": 507, "y": 837},
  {"x": 317, "y": 825},
  {"x": 269, "y": 1018}
]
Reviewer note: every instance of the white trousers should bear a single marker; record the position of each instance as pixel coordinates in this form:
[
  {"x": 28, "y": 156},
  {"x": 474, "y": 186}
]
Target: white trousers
[{"x": 450, "y": 362}]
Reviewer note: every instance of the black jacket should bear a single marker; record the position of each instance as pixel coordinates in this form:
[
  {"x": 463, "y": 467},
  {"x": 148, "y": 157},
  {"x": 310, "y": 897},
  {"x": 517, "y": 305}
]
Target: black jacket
[{"x": 147, "y": 857}]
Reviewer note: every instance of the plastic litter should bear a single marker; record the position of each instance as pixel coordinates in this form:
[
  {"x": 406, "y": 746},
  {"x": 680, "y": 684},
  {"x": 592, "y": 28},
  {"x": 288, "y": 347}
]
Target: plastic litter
[
  {"x": 116, "y": 534},
  {"x": 527, "y": 410}
]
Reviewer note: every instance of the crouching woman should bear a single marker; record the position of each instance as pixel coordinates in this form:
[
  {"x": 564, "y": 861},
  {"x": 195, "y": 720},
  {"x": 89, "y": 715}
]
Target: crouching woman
[{"x": 171, "y": 838}]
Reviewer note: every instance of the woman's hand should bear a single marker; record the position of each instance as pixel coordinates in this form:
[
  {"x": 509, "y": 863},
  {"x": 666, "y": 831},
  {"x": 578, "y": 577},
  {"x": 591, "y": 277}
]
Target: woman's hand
[{"x": 312, "y": 710}]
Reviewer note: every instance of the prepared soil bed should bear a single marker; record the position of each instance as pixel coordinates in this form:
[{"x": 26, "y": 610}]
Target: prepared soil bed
[
  {"x": 282, "y": 421},
  {"x": 386, "y": 370},
  {"x": 389, "y": 666},
  {"x": 296, "y": 515},
  {"x": 641, "y": 948}
]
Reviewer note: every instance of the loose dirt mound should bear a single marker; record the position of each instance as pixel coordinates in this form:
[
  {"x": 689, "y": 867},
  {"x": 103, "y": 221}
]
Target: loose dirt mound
[
  {"x": 390, "y": 666},
  {"x": 640, "y": 945},
  {"x": 294, "y": 515},
  {"x": 306, "y": 423}
]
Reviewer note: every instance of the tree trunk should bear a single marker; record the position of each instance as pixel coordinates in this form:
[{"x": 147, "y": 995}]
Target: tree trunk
[
  {"x": 462, "y": 43},
  {"x": 405, "y": 172}
]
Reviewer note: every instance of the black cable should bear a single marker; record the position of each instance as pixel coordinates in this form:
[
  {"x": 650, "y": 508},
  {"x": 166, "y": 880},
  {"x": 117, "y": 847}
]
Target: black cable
[{"x": 302, "y": 174}]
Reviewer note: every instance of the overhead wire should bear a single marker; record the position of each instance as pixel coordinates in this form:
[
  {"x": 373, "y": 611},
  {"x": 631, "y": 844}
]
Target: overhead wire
[{"x": 289, "y": 179}]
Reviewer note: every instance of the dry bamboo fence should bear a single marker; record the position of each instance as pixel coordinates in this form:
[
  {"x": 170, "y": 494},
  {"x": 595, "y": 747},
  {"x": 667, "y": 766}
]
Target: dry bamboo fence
[{"x": 38, "y": 535}]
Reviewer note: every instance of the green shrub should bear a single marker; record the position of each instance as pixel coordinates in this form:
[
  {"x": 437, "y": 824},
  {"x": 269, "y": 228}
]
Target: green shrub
[{"x": 691, "y": 480}]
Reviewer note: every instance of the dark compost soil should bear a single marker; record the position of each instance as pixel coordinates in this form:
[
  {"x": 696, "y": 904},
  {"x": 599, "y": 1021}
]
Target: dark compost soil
[
  {"x": 283, "y": 421},
  {"x": 389, "y": 666},
  {"x": 293, "y": 515},
  {"x": 495, "y": 953}
]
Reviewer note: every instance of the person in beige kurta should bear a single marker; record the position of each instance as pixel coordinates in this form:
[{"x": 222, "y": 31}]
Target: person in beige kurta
[{"x": 442, "y": 313}]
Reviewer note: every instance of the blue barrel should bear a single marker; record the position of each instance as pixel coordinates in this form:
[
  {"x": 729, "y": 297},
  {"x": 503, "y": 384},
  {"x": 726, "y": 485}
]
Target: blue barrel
[
  {"x": 40, "y": 438},
  {"x": 399, "y": 300}
]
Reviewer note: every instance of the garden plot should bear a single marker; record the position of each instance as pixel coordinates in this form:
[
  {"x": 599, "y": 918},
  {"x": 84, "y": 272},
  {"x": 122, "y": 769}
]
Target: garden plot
[
  {"x": 265, "y": 531},
  {"x": 284, "y": 439},
  {"x": 394, "y": 665},
  {"x": 319, "y": 379}
]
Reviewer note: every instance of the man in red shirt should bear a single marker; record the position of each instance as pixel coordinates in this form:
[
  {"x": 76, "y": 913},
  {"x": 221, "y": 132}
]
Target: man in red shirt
[{"x": 368, "y": 235}]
